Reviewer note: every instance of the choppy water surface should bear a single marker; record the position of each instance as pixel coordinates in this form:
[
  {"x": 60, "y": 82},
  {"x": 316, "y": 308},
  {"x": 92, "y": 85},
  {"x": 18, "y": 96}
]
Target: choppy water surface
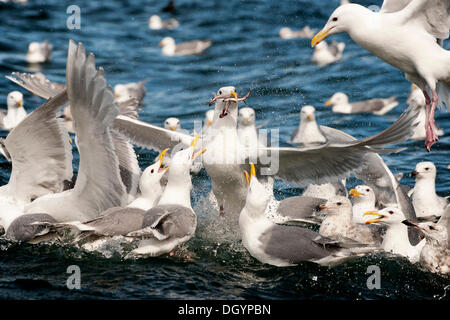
[{"x": 246, "y": 53}]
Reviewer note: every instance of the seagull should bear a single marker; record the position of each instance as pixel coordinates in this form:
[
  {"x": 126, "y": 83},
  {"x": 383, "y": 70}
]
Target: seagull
[
  {"x": 396, "y": 238},
  {"x": 339, "y": 224},
  {"x": 98, "y": 186},
  {"x": 169, "y": 48},
  {"x": 379, "y": 106},
  {"x": 156, "y": 23},
  {"x": 308, "y": 132},
  {"x": 15, "y": 113},
  {"x": 39, "y": 52},
  {"x": 417, "y": 99},
  {"x": 128, "y": 164},
  {"x": 172, "y": 124},
  {"x": 125, "y": 91},
  {"x": 288, "y": 33},
  {"x": 248, "y": 133},
  {"x": 41, "y": 157},
  {"x": 171, "y": 222},
  {"x": 225, "y": 157},
  {"x": 424, "y": 198},
  {"x": 406, "y": 37},
  {"x": 150, "y": 185},
  {"x": 363, "y": 200},
  {"x": 209, "y": 117},
  {"x": 435, "y": 255},
  {"x": 284, "y": 245},
  {"x": 327, "y": 53}
]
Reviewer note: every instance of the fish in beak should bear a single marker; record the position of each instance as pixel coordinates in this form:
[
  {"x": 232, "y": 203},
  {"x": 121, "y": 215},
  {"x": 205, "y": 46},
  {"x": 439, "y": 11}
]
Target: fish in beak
[
  {"x": 374, "y": 213},
  {"x": 322, "y": 34},
  {"x": 355, "y": 193}
]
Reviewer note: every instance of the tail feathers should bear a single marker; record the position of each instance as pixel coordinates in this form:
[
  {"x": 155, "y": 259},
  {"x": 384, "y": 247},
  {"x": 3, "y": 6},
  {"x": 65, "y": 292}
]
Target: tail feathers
[
  {"x": 346, "y": 255},
  {"x": 443, "y": 90}
]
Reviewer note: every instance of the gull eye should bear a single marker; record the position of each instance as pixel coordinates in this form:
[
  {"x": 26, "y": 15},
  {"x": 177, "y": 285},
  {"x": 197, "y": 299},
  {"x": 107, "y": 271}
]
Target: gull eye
[
  {"x": 153, "y": 170},
  {"x": 167, "y": 122},
  {"x": 427, "y": 169},
  {"x": 220, "y": 92},
  {"x": 334, "y": 19},
  {"x": 432, "y": 228},
  {"x": 367, "y": 190},
  {"x": 391, "y": 212},
  {"x": 339, "y": 203}
]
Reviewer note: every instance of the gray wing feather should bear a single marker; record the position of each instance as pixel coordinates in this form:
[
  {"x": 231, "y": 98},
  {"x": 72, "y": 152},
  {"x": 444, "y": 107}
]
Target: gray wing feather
[
  {"x": 24, "y": 228},
  {"x": 299, "y": 207},
  {"x": 37, "y": 84},
  {"x": 118, "y": 221},
  {"x": 171, "y": 220}
]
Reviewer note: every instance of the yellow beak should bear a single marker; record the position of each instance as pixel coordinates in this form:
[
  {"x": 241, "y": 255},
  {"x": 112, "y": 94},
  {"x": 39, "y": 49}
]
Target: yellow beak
[
  {"x": 329, "y": 103},
  {"x": 160, "y": 44},
  {"x": 252, "y": 170},
  {"x": 209, "y": 122},
  {"x": 199, "y": 153},
  {"x": 172, "y": 128},
  {"x": 373, "y": 213},
  {"x": 355, "y": 193},
  {"x": 19, "y": 103},
  {"x": 309, "y": 117},
  {"x": 247, "y": 177},
  {"x": 116, "y": 95},
  {"x": 413, "y": 86},
  {"x": 245, "y": 120},
  {"x": 162, "y": 155},
  {"x": 322, "y": 34},
  {"x": 233, "y": 94},
  {"x": 194, "y": 142}
]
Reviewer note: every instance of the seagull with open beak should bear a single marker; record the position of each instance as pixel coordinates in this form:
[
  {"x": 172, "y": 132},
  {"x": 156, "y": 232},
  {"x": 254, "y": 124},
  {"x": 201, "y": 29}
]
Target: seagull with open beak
[
  {"x": 435, "y": 255},
  {"x": 150, "y": 185},
  {"x": 396, "y": 238}
]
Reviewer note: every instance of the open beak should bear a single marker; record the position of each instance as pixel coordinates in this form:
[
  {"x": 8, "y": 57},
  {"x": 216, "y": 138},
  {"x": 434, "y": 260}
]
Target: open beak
[
  {"x": 411, "y": 224},
  {"x": 374, "y": 213},
  {"x": 233, "y": 94},
  {"x": 322, "y": 207},
  {"x": 329, "y": 103},
  {"x": 354, "y": 193},
  {"x": 413, "y": 173},
  {"x": 248, "y": 177},
  {"x": 322, "y": 34},
  {"x": 161, "y": 159}
]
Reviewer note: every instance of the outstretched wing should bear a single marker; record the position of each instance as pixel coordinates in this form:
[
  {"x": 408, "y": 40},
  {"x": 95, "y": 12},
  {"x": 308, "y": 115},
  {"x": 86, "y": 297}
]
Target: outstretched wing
[
  {"x": 40, "y": 151},
  {"x": 393, "y": 5}
]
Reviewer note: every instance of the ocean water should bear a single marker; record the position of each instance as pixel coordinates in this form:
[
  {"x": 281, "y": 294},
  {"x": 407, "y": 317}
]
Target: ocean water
[{"x": 247, "y": 53}]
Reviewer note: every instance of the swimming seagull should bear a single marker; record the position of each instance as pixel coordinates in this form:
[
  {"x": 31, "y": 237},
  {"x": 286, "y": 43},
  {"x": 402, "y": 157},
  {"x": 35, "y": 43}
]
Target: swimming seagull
[
  {"x": 288, "y": 33},
  {"x": 396, "y": 238},
  {"x": 172, "y": 123},
  {"x": 41, "y": 157},
  {"x": 435, "y": 255},
  {"x": 39, "y": 52},
  {"x": 378, "y": 106},
  {"x": 284, "y": 245},
  {"x": 169, "y": 48},
  {"x": 172, "y": 222},
  {"x": 339, "y": 224},
  {"x": 98, "y": 186},
  {"x": 425, "y": 200},
  {"x": 308, "y": 131},
  {"x": 128, "y": 164},
  {"x": 417, "y": 100},
  {"x": 126, "y": 91},
  {"x": 15, "y": 113},
  {"x": 225, "y": 157},
  {"x": 363, "y": 200},
  {"x": 328, "y": 53},
  {"x": 409, "y": 39},
  {"x": 156, "y": 23}
]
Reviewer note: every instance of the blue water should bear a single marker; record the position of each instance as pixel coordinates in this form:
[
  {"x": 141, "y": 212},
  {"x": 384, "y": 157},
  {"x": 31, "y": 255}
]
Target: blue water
[{"x": 247, "y": 53}]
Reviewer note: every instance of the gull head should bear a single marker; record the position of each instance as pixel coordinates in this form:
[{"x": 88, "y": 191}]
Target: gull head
[
  {"x": 307, "y": 114},
  {"x": 257, "y": 197},
  {"x": 182, "y": 161},
  {"x": 121, "y": 92},
  {"x": 222, "y": 102},
  {"x": 388, "y": 216},
  {"x": 209, "y": 117},
  {"x": 343, "y": 19},
  {"x": 153, "y": 174},
  {"x": 34, "y": 47},
  {"x": 424, "y": 170},
  {"x": 155, "y": 22},
  {"x": 167, "y": 42},
  {"x": 247, "y": 117},
  {"x": 434, "y": 233},
  {"x": 363, "y": 193},
  {"x": 339, "y": 98},
  {"x": 14, "y": 99},
  {"x": 337, "y": 205},
  {"x": 172, "y": 124}
]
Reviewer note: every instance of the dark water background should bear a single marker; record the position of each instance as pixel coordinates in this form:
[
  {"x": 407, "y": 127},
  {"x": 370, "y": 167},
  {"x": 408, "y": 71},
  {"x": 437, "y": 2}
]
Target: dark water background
[{"x": 247, "y": 53}]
